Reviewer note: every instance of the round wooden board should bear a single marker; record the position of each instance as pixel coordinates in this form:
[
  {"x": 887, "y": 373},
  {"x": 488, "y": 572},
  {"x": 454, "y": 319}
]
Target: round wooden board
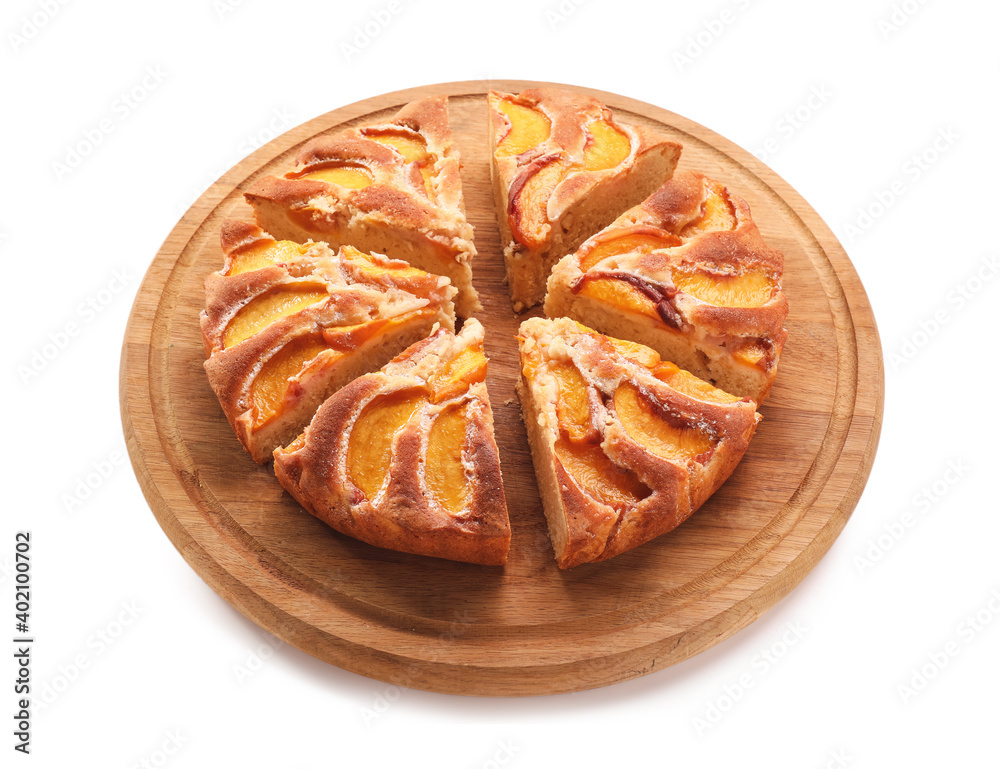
[{"x": 526, "y": 628}]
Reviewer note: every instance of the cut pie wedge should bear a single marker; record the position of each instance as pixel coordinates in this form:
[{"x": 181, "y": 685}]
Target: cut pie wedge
[
  {"x": 626, "y": 446},
  {"x": 392, "y": 188},
  {"x": 563, "y": 167},
  {"x": 687, "y": 273},
  {"x": 405, "y": 458},
  {"x": 285, "y": 325}
]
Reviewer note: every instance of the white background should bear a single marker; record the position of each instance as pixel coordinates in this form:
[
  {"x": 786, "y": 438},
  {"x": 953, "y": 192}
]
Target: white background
[{"x": 890, "y": 82}]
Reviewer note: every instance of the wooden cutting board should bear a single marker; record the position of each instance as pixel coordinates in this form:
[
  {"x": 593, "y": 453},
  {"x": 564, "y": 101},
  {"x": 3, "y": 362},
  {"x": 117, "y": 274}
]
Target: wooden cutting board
[{"x": 526, "y": 628}]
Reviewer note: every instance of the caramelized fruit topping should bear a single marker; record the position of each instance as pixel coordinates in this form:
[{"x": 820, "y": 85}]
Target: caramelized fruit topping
[
  {"x": 529, "y": 127},
  {"x": 644, "y": 356},
  {"x": 263, "y": 253},
  {"x": 606, "y": 146},
  {"x": 410, "y": 145},
  {"x": 271, "y": 384},
  {"x": 717, "y": 213},
  {"x": 748, "y": 289},
  {"x": 270, "y": 306},
  {"x": 348, "y": 175},
  {"x": 460, "y": 373},
  {"x": 295, "y": 445},
  {"x": 623, "y": 294},
  {"x": 641, "y": 243},
  {"x": 368, "y": 270},
  {"x": 689, "y": 384},
  {"x": 369, "y": 451},
  {"x": 663, "y": 434},
  {"x": 600, "y": 478},
  {"x": 529, "y": 202},
  {"x": 754, "y": 352},
  {"x": 573, "y": 405},
  {"x": 446, "y": 477}
]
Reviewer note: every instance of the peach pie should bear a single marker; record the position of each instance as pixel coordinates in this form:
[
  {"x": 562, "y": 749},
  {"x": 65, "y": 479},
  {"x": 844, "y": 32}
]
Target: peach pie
[
  {"x": 343, "y": 366},
  {"x": 392, "y": 188},
  {"x": 405, "y": 458},
  {"x": 563, "y": 167},
  {"x": 625, "y": 445},
  {"x": 286, "y": 324},
  {"x": 687, "y": 273}
]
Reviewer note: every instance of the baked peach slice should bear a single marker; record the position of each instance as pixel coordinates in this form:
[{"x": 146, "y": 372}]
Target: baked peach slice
[
  {"x": 634, "y": 241},
  {"x": 392, "y": 187},
  {"x": 369, "y": 452},
  {"x": 412, "y": 146},
  {"x": 350, "y": 176},
  {"x": 607, "y": 146},
  {"x": 447, "y": 479},
  {"x": 263, "y": 252},
  {"x": 625, "y": 445},
  {"x": 287, "y": 324},
  {"x": 405, "y": 458},
  {"x": 526, "y": 127},
  {"x": 271, "y": 385},
  {"x": 687, "y": 273},
  {"x": 270, "y": 306},
  {"x": 654, "y": 427},
  {"x": 598, "y": 477},
  {"x": 528, "y": 207},
  {"x": 563, "y": 168},
  {"x": 749, "y": 289}
]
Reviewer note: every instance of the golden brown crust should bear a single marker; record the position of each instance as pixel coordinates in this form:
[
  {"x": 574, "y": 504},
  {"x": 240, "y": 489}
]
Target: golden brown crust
[
  {"x": 405, "y": 515},
  {"x": 411, "y": 210},
  {"x": 236, "y": 234},
  {"x": 582, "y": 201},
  {"x": 374, "y": 308},
  {"x": 714, "y": 331},
  {"x": 285, "y": 192},
  {"x": 587, "y": 528}
]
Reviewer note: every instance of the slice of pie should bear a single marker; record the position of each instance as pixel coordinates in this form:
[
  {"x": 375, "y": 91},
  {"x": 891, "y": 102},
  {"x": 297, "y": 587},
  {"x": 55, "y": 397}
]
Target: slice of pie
[
  {"x": 687, "y": 273},
  {"x": 625, "y": 445},
  {"x": 392, "y": 188},
  {"x": 285, "y": 325},
  {"x": 405, "y": 458},
  {"x": 563, "y": 168}
]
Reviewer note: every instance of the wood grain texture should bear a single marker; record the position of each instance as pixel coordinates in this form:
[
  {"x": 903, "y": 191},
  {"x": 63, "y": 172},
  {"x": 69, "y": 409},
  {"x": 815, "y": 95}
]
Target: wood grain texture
[{"x": 527, "y": 628}]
